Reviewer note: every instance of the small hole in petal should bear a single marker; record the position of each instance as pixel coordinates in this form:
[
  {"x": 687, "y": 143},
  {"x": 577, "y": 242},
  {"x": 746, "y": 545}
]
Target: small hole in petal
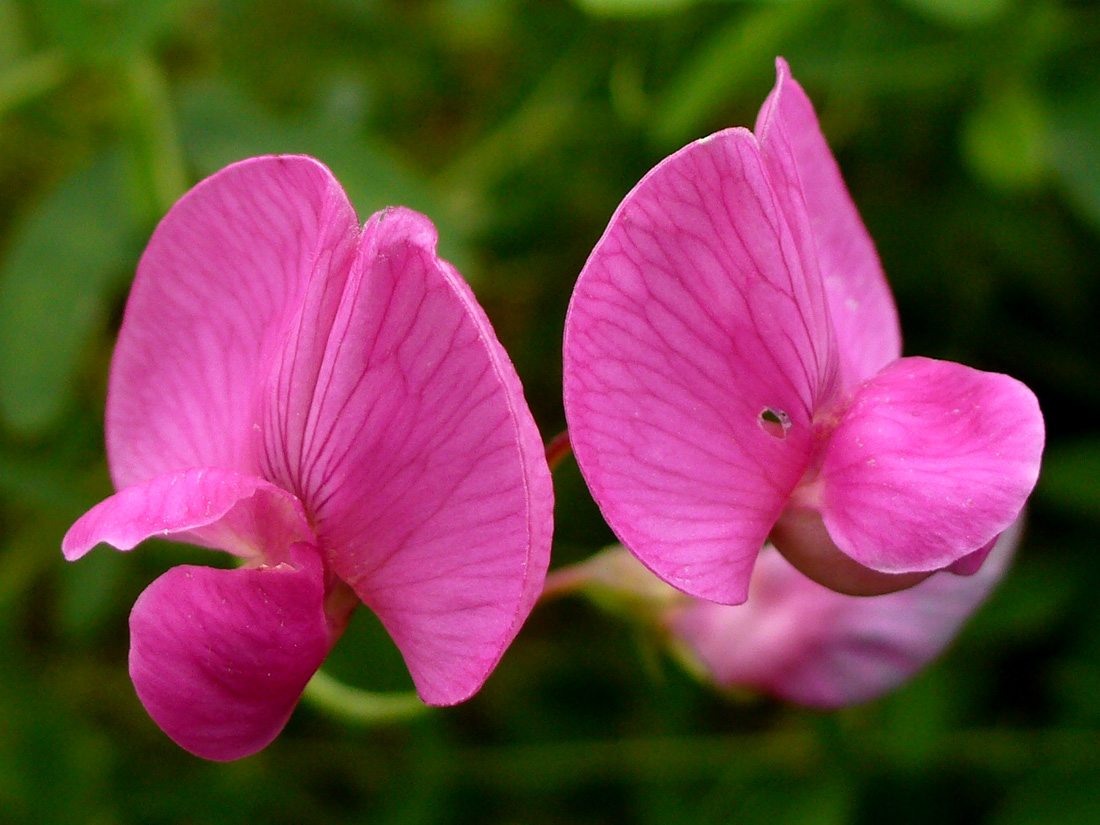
[{"x": 774, "y": 422}]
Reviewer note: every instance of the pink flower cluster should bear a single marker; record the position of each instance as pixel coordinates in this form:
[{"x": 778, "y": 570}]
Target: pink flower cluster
[{"x": 327, "y": 403}]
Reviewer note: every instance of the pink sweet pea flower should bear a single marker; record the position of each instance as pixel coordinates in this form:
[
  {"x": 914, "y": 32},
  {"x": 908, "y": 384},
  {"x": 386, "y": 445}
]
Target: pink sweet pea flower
[
  {"x": 801, "y": 642},
  {"x": 733, "y": 373},
  {"x": 328, "y": 403}
]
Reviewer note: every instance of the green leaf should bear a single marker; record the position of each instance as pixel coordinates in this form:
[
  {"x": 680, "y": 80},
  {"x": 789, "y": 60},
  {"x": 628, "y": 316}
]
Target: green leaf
[
  {"x": 1005, "y": 140},
  {"x": 634, "y": 8},
  {"x": 1076, "y": 136},
  {"x": 823, "y": 798},
  {"x": 68, "y": 256},
  {"x": 25, "y": 80},
  {"x": 1048, "y": 796},
  {"x": 104, "y": 31},
  {"x": 1068, "y": 482},
  {"x": 89, "y": 594},
  {"x": 960, "y": 13},
  {"x": 12, "y": 37},
  {"x": 1036, "y": 594}
]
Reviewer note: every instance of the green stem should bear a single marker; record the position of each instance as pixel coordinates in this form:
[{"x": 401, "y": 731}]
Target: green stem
[
  {"x": 565, "y": 581},
  {"x": 558, "y": 449},
  {"x": 27, "y": 80},
  {"x": 350, "y": 704},
  {"x": 155, "y": 126}
]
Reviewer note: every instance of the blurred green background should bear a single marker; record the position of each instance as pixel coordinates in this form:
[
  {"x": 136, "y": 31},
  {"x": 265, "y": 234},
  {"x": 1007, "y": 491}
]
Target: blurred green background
[{"x": 969, "y": 133}]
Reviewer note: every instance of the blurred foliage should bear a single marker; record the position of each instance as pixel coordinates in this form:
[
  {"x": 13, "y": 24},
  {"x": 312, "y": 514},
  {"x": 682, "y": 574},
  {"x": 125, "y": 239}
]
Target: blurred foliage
[{"x": 969, "y": 133}]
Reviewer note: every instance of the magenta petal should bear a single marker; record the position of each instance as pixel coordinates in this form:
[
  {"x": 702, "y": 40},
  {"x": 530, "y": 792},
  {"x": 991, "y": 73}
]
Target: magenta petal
[
  {"x": 412, "y": 446},
  {"x": 696, "y": 352},
  {"x": 970, "y": 564},
  {"x": 931, "y": 461},
  {"x": 219, "y": 658},
  {"x": 862, "y": 307},
  {"x": 213, "y": 295},
  {"x": 805, "y": 643},
  {"x": 240, "y": 514}
]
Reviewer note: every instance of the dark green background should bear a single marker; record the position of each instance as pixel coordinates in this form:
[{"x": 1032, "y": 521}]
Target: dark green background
[{"x": 969, "y": 133}]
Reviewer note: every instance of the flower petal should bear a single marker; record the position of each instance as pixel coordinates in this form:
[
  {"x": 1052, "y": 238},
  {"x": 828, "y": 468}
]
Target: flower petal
[
  {"x": 930, "y": 462},
  {"x": 696, "y": 352},
  {"x": 214, "y": 292},
  {"x": 240, "y": 514},
  {"x": 219, "y": 658},
  {"x": 804, "y": 643},
  {"x": 971, "y": 563},
  {"x": 409, "y": 440},
  {"x": 862, "y": 307}
]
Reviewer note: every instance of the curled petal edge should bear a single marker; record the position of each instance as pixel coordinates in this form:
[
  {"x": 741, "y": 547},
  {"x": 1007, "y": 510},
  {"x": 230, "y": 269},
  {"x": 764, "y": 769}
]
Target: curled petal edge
[{"x": 240, "y": 514}]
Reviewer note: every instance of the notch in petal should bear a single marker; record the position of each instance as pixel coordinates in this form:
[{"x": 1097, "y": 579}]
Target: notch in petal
[
  {"x": 692, "y": 326},
  {"x": 220, "y": 658},
  {"x": 240, "y": 514},
  {"x": 419, "y": 460},
  {"x": 929, "y": 463}
]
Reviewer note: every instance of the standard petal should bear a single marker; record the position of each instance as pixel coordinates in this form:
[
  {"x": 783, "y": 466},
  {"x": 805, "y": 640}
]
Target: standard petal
[
  {"x": 417, "y": 457},
  {"x": 696, "y": 353},
  {"x": 805, "y": 643},
  {"x": 240, "y": 514},
  {"x": 930, "y": 462},
  {"x": 862, "y": 307},
  {"x": 219, "y": 658},
  {"x": 215, "y": 291}
]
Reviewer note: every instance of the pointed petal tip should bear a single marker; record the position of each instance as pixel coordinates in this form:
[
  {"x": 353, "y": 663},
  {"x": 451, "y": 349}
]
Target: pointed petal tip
[
  {"x": 861, "y": 304},
  {"x": 431, "y": 492},
  {"x": 237, "y": 513},
  {"x": 78, "y": 541},
  {"x": 782, "y": 70},
  {"x": 406, "y": 224}
]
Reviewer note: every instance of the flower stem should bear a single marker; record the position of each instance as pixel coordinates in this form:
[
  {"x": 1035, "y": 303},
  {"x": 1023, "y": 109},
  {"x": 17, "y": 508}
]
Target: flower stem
[
  {"x": 359, "y": 706},
  {"x": 563, "y": 581},
  {"x": 558, "y": 449}
]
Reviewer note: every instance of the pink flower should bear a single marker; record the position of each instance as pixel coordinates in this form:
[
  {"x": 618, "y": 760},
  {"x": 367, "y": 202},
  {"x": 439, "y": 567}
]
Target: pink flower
[
  {"x": 328, "y": 403},
  {"x": 733, "y": 373},
  {"x": 804, "y": 643}
]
